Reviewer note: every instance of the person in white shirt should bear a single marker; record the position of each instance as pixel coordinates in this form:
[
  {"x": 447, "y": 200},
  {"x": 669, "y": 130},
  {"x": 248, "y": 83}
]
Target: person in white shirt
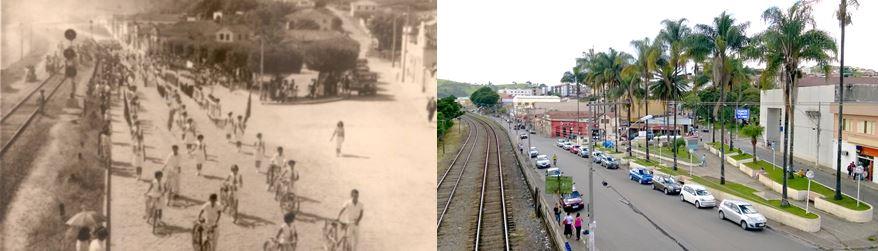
[
  {"x": 98, "y": 244},
  {"x": 351, "y": 213},
  {"x": 287, "y": 236},
  {"x": 277, "y": 161},
  {"x": 210, "y": 213},
  {"x": 338, "y": 134},
  {"x": 172, "y": 170},
  {"x": 259, "y": 154}
]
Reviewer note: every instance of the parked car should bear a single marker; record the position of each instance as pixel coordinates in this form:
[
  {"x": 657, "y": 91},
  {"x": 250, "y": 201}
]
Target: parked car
[
  {"x": 543, "y": 161},
  {"x": 560, "y": 142},
  {"x": 584, "y": 152},
  {"x": 574, "y": 149},
  {"x": 641, "y": 175},
  {"x": 610, "y": 163},
  {"x": 553, "y": 172},
  {"x": 572, "y": 201},
  {"x": 567, "y": 145},
  {"x": 596, "y": 156},
  {"x": 523, "y": 136},
  {"x": 666, "y": 184},
  {"x": 742, "y": 213},
  {"x": 533, "y": 152},
  {"x": 697, "y": 195},
  {"x": 533, "y": 132}
]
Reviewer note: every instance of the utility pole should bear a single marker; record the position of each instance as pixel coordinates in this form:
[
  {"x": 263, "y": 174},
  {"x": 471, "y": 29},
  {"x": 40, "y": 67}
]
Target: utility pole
[
  {"x": 393, "y": 45},
  {"x": 21, "y": 40},
  {"x": 591, "y": 218},
  {"x": 840, "y": 111}
]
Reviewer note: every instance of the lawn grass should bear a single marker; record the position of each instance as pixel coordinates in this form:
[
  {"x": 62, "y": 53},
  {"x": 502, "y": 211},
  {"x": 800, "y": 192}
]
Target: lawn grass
[
  {"x": 682, "y": 152},
  {"x": 801, "y": 183},
  {"x": 716, "y": 145},
  {"x": 606, "y": 150},
  {"x": 742, "y": 156},
  {"x": 750, "y": 194},
  {"x": 644, "y": 162}
]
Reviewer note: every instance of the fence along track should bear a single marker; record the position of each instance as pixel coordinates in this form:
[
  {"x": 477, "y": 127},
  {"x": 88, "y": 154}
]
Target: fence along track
[{"x": 15, "y": 122}]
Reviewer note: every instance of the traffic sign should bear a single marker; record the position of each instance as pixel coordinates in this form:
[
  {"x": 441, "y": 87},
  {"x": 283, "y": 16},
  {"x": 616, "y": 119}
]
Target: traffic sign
[
  {"x": 809, "y": 174},
  {"x": 69, "y": 53},
  {"x": 859, "y": 170},
  {"x": 742, "y": 114},
  {"x": 70, "y": 34}
]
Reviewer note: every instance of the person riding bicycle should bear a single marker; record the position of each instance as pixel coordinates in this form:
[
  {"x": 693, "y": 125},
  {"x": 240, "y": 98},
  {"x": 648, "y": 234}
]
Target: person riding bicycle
[
  {"x": 210, "y": 213},
  {"x": 554, "y": 159},
  {"x": 287, "y": 236},
  {"x": 289, "y": 176},
  {"x": 154, "y": 195},
  {"x": 277, "y": 161}
]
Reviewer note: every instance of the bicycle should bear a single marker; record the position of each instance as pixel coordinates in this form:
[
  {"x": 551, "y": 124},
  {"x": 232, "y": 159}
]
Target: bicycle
[
  {"x": 335, "y": 236},
  {"x": 272, "y": 244},
  {"x": 201, "y": 236},
  {"x": 289, "y": 203},
  {"x": 155, "y": 216}
]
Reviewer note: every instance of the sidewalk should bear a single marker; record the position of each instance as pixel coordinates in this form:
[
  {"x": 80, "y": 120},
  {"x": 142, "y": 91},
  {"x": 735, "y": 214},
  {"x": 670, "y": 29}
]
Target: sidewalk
[{"x": 835, "y": 232}]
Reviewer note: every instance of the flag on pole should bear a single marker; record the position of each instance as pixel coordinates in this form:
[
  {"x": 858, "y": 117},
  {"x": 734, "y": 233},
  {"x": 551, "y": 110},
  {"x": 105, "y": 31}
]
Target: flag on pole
[{"x": 247, "y": 113}]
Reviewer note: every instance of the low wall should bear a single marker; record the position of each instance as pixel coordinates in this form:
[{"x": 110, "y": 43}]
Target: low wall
[
  {"x": 794, "y": 221},
  {"x": 737, "y": 163},
  {"x": 680, "y": 161},
  {"x": 794, "y": 194},
  {"x": 843, "y": 212}
]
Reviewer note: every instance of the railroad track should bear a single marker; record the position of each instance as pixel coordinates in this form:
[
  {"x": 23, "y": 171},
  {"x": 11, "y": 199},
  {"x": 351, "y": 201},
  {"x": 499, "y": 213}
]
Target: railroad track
[
  {"x": 493, "y": 222},
  {"x": 445, "y": 191},
  {"x": 16, "y": 120}
]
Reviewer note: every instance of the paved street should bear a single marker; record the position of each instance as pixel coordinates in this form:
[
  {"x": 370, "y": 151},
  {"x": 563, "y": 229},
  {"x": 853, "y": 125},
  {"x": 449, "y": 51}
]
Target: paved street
[{"x": 626, "y": 211}]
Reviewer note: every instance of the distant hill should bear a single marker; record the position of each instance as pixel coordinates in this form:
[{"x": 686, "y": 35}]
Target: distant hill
[{"x": 458, "y": 89}]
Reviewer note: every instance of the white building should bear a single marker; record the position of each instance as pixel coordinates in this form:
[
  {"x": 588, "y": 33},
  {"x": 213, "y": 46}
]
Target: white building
[
  {"x": 418, "y": 64},
  {"x": 525, "y": 102},
  {"x": 815, "y": 121},
  {"x": 363, "y": 6},
  {"x": 517, "y": 92}
]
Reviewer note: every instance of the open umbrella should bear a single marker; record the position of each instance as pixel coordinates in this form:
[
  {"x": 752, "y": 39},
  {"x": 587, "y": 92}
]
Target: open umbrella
[{"x": 86, "y": 219}]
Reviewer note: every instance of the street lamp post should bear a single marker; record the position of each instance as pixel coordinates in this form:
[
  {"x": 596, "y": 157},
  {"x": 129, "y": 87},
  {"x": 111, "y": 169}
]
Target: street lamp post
[
  {"x": 858, "y": 175},
  {"x": 809, "y": 175}
]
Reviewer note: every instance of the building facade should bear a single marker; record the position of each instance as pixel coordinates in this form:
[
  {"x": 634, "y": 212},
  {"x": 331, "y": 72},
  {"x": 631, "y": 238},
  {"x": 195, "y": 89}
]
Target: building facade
[{"x": 517, "y": 92}]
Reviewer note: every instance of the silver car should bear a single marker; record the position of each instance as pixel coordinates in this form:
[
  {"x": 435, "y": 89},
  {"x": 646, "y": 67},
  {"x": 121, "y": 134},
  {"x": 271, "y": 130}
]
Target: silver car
[{"x": 742, "y": 213}]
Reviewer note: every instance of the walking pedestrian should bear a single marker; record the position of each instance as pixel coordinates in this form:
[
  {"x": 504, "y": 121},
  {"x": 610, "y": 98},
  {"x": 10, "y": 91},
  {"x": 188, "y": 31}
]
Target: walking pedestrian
[
  {"x": 139, "y": 156},
  {"x": 568, "y": 226},
  {"x": 154, "y": 195},
  {"x": 259, "y": 154},
  {"x": 352, "y": 211},
  {"x": 189, "y": 135},
  {"x": 210, "y": 213},
  {"x": 338, "y": 134},
  {"x": 431, "y": 108},
  {"x": 82, "y": 239},
  {"x": 557, "y": 214},
  {"x": 98, "y": 243},
  {"x": 239, "y": 132},
  {"x": 173, "y": 170},
  {"x": 578, "y": 224},
  {"x": 230, "y": 127},
  {"x": 851, "y": 170},
  {"x": 286, "y": 236},
  {"x": 200, "y": 151}
]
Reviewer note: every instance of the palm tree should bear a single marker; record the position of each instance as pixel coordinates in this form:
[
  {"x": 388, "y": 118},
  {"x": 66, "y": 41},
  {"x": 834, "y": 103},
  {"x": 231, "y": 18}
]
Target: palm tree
[
  {"x": 786, "y": 43},
  {"x": 753, "y": 132},
  {"x": 844, "y": 19},
  {"x": 674, "y": 39},
  {"x": 631, "y": 90},
  {"x": 724, "y": 39},
  {"x": 610, "y": 65},
  {"x": 647, "y": 54}
]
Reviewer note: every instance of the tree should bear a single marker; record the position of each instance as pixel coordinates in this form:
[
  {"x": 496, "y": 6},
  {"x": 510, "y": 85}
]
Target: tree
[
  {"x": 724, "y": 39},
  {"x": 670, "y": 66},
  {"x": 484, "y": 97},
  {"x": 786, "y": 43},
  {"x": 844, "y": 19},
  {"x": 647, "y": 54},
  {"x": 332, "y": 57},
  {"x": 753, "y": 132},
  {"x": 450, "y": 107}
]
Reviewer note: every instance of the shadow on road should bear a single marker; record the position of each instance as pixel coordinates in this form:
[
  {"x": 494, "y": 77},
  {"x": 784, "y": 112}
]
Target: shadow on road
[
  {"x": 250, "y": 221},
  {"x": 211, "y": 177},
  {"x": 353, "y": 156}
]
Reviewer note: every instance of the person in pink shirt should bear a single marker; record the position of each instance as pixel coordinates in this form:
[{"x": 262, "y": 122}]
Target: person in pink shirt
[{"x": 578, "y": 224}]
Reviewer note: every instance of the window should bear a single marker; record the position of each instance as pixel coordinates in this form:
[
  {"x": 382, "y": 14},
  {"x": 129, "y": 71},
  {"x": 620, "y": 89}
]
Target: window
[
  {"x": 847, "y": 125},
  {"x": 868, "y": 127}
]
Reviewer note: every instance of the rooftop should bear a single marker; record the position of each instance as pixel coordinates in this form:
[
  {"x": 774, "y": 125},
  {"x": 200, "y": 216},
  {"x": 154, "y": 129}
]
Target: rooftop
[{"x": 833, "y": 80}]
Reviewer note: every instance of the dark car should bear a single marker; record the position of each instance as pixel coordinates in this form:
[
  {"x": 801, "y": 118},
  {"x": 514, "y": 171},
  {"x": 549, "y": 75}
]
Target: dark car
[
  {"x": 572, "y": 201},
  {"x": 666, "y": 184},
  {"x": 610, "y": 162}
]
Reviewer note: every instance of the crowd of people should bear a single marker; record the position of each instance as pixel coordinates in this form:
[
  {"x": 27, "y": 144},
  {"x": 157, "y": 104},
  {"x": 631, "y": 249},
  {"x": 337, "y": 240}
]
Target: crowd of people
[{"x": 165, "y": 189}]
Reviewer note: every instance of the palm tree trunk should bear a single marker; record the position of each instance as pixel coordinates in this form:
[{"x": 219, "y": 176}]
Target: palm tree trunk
[
  {"x": 674, "y": 140},
  {"x": 628, "y": 130},
  {"x": 618, "y": 125},
  {"x": 646, "y": 111},
  {"x": 793, "y": 93},
  {"x": 722, "y": 134},
  {"x": 786, "y": 133}
]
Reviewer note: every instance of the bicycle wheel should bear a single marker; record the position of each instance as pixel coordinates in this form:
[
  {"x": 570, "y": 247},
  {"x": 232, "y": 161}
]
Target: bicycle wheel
[{"x": 205, "y": 246}]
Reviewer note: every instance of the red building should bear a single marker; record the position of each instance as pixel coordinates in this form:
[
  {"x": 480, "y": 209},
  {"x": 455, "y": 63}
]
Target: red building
[{"x": 565, "y": 123}]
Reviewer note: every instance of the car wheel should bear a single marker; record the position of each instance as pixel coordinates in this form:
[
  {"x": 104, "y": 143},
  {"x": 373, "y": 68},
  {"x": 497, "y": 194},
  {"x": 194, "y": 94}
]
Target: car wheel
[
  {"x": 666, "y": 191},
  {"x": 721, "y": 215},
  {"x": 683, "y": 198},
  {"x": 744, "y": 225},
  {"x": 697, "y": 204}
]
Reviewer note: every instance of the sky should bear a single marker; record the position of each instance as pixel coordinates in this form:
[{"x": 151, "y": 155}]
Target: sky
[{"x": 502, "y": 41}]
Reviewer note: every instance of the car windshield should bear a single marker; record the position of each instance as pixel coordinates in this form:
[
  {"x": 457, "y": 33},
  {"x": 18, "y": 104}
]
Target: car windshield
[
  {"x": 574, "y": 194},
  {"x": 670, "y": 180},
  {"x": 748, "y": 209},
  {"x": 542, "y": 158},
  {"x": 611, "y": 159},
  {"x": 701, "y": 192}
]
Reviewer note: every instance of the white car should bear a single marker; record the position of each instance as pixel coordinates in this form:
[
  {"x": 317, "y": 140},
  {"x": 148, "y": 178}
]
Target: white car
[
  {"x": 533, "y": 152},
  {"x": 560, "y": 142},
  {"x": 543, "y": 161},
  {"x": 553, "y": 172},
  {"x": 742, "y": 213},
  {"x": 567, "y": 145},
  {"x": 698, "y": 195}
]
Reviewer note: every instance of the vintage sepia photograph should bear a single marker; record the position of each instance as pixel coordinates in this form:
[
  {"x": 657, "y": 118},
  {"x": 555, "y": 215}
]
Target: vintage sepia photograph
[
  {"x": 657, "y": 125},
  {"x": 218, "y": 124}
]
